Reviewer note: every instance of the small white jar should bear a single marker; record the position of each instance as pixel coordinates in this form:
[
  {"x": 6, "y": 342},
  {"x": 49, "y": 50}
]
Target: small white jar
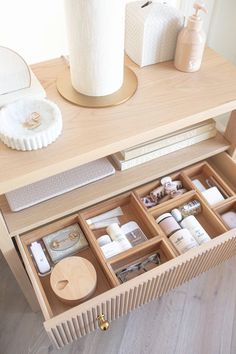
[
  {"x": 104, "y": 240},
  {"x": 183, "y": 240}
]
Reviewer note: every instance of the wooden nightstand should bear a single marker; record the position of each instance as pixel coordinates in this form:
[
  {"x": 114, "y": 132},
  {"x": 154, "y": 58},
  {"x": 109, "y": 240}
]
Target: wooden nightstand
[{"x": 167, "y": 100}]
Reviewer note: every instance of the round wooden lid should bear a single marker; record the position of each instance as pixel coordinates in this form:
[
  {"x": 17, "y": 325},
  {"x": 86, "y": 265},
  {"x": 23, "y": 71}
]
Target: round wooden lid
[{"x": 73, "y": 279}]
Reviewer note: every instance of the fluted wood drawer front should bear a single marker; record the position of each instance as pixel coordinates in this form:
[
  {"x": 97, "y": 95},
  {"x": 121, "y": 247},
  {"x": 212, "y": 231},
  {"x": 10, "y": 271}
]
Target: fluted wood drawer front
[{"x": 81, "y": 320}]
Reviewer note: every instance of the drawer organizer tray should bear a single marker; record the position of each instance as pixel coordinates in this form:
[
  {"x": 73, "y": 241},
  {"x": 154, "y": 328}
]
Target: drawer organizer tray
[{"x": 112, "y": 298}]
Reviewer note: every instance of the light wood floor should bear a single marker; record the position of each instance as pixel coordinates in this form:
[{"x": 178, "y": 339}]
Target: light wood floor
[{"x": 197, "y": 318}]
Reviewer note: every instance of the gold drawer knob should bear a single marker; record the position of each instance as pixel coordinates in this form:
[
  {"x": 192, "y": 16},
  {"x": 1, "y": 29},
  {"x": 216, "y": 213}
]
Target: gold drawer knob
[{"x": 103, "y": 323}]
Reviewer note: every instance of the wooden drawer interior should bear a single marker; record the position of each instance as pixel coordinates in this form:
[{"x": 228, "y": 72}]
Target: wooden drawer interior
[
  {"x": 145, "y": 190},
  {"x": 227, "y": 206},
  {"x": 160, "y": 249},
  {"x": 53, "y": 305},
  {"x": 204, "y": 172},
  {"x": 225, "y": 166},
  {"x": 207, "y": 218},
  {"x": 132, "y": 211},
  {"x": 157, "y": 241}
]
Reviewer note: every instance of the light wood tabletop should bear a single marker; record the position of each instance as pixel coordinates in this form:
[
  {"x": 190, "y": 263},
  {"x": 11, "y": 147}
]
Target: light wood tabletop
[{"x": 166, "y": 100}]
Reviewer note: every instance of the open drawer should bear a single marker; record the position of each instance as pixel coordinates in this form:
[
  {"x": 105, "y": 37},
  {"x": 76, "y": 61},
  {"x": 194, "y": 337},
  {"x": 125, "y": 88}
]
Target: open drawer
[{"x": 64, "y": 323}]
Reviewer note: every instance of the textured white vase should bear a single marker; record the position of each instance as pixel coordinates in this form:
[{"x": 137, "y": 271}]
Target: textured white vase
[{"x": 96, "y": 30}]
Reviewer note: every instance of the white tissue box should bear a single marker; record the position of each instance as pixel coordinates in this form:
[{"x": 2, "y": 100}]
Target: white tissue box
[{"x": 151, "y": 32}]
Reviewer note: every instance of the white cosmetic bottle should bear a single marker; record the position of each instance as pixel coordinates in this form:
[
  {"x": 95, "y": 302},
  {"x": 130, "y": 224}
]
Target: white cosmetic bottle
[
  {"x": 196, "y": 229},
  {"x": 191, "y": 43},
  {"x": 116, "y": 234},
  {"x": 183, "y": 240}
]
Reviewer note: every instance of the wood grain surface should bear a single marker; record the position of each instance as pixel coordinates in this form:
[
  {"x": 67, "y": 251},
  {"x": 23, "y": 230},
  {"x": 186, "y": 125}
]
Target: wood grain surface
[
  {"x": 230, "y": 134},
  {"x": 162, "y": 104},
  {"x": 80, "y": 198},
  {"x": 73, "y": 280},
  {"x": 197, "y": 318}
]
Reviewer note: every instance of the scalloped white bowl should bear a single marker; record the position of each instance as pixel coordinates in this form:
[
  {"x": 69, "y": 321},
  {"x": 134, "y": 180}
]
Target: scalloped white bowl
[{"x": 15, "y": 135}]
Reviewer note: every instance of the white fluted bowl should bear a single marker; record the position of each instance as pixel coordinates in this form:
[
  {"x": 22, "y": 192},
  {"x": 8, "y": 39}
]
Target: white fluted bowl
[{"x": 16, "y": 135}]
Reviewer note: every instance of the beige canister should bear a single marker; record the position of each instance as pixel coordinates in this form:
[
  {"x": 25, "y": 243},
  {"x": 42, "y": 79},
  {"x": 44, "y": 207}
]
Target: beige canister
[{"x": 73, "y": 280}]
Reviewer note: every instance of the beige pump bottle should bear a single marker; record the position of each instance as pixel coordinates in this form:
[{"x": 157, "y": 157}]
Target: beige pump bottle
[{"x": 191, "y": 43}]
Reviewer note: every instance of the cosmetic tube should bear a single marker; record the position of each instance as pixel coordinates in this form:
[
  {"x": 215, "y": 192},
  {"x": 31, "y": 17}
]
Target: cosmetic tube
[
  {"x": 107, "y": 215},
  {"x": 104, "y": 223}
]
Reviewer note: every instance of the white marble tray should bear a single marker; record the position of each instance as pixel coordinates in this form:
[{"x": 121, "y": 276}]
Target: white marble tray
[{"x": 18, "y": 130}]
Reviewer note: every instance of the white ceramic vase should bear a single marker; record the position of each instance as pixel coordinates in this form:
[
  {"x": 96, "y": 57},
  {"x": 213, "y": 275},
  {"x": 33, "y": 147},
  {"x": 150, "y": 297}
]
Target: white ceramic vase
[{"x": 96, "y": 30}]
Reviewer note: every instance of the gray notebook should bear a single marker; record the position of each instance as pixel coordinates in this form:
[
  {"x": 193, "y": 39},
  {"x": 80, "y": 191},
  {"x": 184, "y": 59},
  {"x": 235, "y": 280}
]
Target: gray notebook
[{"x": 50, "y": 187}]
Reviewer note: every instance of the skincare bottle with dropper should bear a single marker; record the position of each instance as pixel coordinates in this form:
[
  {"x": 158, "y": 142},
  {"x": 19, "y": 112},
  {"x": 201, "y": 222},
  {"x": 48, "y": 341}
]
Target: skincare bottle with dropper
[{"x": 191, "y": 42}]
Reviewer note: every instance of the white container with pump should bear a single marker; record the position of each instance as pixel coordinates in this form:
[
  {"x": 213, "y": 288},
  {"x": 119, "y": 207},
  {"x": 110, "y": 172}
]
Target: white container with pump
[{"x": 191, "y": 42}]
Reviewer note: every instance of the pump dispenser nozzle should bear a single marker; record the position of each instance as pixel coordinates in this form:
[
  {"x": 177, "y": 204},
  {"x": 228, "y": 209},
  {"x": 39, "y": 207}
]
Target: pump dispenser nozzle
[
  {"x": 199, "y": 6},
  {"x": 195, "y": 21}
]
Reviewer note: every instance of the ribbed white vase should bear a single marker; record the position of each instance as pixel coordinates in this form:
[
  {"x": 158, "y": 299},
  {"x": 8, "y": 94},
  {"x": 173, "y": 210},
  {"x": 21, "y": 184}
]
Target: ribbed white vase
[{"x": 96, "y": 30}]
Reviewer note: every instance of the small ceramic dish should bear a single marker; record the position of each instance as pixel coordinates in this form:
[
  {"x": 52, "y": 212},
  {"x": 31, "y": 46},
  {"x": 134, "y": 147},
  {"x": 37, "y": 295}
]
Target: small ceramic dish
[{"x": 30, "y": 124}]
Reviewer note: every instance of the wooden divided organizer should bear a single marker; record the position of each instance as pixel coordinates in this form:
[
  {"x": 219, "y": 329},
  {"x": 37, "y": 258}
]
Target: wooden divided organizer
[
  {"x": 145, "y": 192},
  {"x": 132, "y": 211},
  {"x": 206, "y": 180},
  {"x": 226, "y": 211},
  {"x": 51, "y": 305},
  {"x": 206, "y": 217},
  {"x": 140, "y": 273},
  {"x": 146, "y": 259}
]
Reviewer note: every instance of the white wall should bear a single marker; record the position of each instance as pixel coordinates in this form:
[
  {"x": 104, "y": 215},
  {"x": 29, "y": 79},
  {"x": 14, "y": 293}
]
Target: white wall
[
  {"x": 35, "y": 28},
  {"x": 222, "y": 37},
  {"x": 186, "y": 6},
  {"x": 222, "y": 34}
]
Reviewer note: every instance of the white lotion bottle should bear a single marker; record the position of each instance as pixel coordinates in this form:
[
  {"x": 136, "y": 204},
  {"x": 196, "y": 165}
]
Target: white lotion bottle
[
  {"x": 191, "y": 43},
  {"x": 116, "y": 234},
  {"x": 196, "y": 229}
]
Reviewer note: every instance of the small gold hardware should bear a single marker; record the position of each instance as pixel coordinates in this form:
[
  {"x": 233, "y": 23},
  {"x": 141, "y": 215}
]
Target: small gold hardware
[
  {"x": 33, "y": 122},
  {"x": 72, "y": 236},
  {"x": 103, "y": 324}
]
